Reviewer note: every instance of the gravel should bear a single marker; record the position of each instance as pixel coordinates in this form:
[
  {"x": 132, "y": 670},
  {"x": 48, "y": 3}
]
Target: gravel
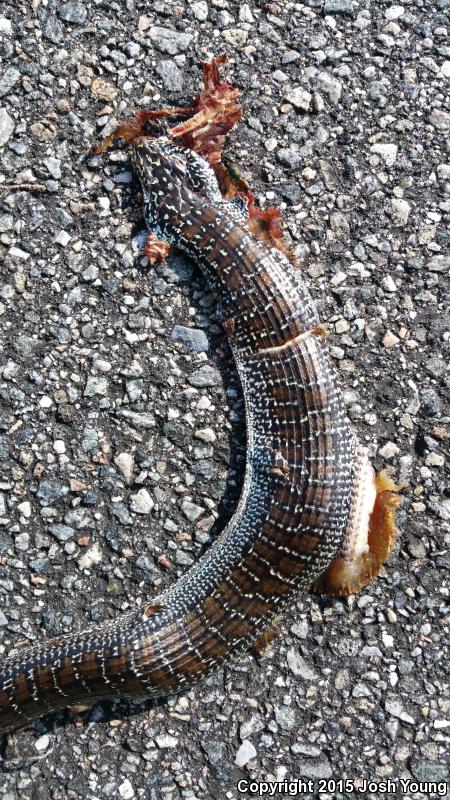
[{"x": 121, "y": 416}]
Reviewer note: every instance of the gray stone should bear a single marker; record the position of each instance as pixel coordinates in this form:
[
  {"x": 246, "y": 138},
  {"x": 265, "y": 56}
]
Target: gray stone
[
  {"x": 214, "y": 750},
  {"x": 438, "y": 263},
  {"x": 62, "y": 532},
  {"x": 193, "y": 338},
  {"x": 165, "y": 740},
  {"x": 96, "y": 386},
  {"x": 299, "y": 666},
  {"x": 54, "y": 166},
  {"x": 134, "y": 389},
  {"x": 5, "y": 26},
  {"x": 137, "y": 419},
  {"x": 289, "y": 158},
  {"x": 405, "y": 666},
  {"x": 428, "y": 771},
  {"x": 120, "y": 511},
  {"x": 125, "y": 463},
  {"x": 199, "y": 10},
  {"x": 169, "y": 41},
  {"x": 440, "y": 119},
  {"x": 4, "y": 448},
  {"x": 183, "y": 559},
  {"x": 399, "y": 211},
  {"x": 126, "y": 791},
  {"x": 430, "y": 402},
  {"x": 299, "y": 98},
  {"x": 91, "y": 273},
  {"x": 6, "y": 126},
  {"x": 338, "y": 7},
  {"x": 289, "y": 56},
  {"x": 62, "y": 238},
  {"x": 8, "y": 80},
  {"x": 416, "y": 549},
  {"x": 6, "y": 222},
  {"x": 49, "y": 491},
  {"x": 285, "y": 717},
  {"x": 89, "y": 442},
  {"x": 293, "y": 193},
  {"x": 53, "y": 30},
  {"x": 236, "y": 37},
  {"x": 204, "y": 376},
  {"x": 78, "y": 518},
  {"x": 387, "y": 152},
  {"x": 74, "y": 13},
  {"x": 90, "y": 557},
  {"x": 436, "y": 366},
  {"x": 315, "y": 768},
  {"x": 253, "y": 725},
  {"x": 3, "y": 619},
  {"x": 317, "y": 42},
  {"x": 132, "y": 49},
  {"x": 171, "y": 76},
  {"x": 191, "y": 510},
  {"x": 26, "y": 347},
  {"x": 206, "y": 435},
  {"x": 394, "y": 707},
  {"x": 22, "y": 541},
  {"x": 330, "y": 85}
]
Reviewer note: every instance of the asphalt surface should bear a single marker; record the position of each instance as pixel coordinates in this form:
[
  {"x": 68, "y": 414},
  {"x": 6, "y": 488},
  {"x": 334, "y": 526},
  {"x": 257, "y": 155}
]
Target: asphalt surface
[{"x": 122, "y": 438}]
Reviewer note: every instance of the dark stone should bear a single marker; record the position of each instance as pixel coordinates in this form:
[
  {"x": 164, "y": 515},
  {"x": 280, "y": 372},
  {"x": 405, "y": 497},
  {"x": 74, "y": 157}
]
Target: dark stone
[
  {"x": 49, "y": 491},
  {"x": 291, "y": 192},
  {"x": 431, "y": 404}
]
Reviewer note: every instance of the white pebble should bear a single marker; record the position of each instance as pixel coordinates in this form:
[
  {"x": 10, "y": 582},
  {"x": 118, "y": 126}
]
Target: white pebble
[
  {"x": 165, "y": 740},
  {"x": 45, "y": 402},
  {"x": 206, "y": 435},
  {"x": 126, "y": 790},
  {"x": 389, "y": 450},
  {"x": 390, "y": 339},
  {"x": 125, "y": 463},
  {"x": 42, "y": 743},
  {"x": 5, "y": 26},
  {"x": 388, "y": 152},
  {"x": 246, "y": 752},
  {"x": 25, "y": 509},
  {"x": 389, "y": 284},
  {"x": 62, "y": 238},
  {"x": 90, "y": 557},
  {"x": 141, "y": 502},
  {"x": 394, "y": 12}
]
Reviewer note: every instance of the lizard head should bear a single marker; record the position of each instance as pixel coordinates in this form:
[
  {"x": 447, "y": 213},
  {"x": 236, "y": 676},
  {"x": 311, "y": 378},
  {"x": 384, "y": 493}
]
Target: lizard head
[{"x": 166, "y": 169}]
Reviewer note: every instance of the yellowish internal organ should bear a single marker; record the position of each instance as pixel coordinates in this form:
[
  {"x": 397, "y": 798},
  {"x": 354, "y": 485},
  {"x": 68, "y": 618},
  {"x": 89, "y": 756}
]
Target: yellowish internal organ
[{"x": 370, "y": 535}]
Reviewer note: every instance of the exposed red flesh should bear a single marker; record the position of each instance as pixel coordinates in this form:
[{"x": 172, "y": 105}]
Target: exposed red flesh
[
  {"x": 212, "y": 115},
  {"x": 155, "y": 249},
  {"x": 216, "y": 112}
]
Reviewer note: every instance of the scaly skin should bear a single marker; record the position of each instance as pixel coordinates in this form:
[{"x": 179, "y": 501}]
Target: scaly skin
[{"x": 295, "y": 506}]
